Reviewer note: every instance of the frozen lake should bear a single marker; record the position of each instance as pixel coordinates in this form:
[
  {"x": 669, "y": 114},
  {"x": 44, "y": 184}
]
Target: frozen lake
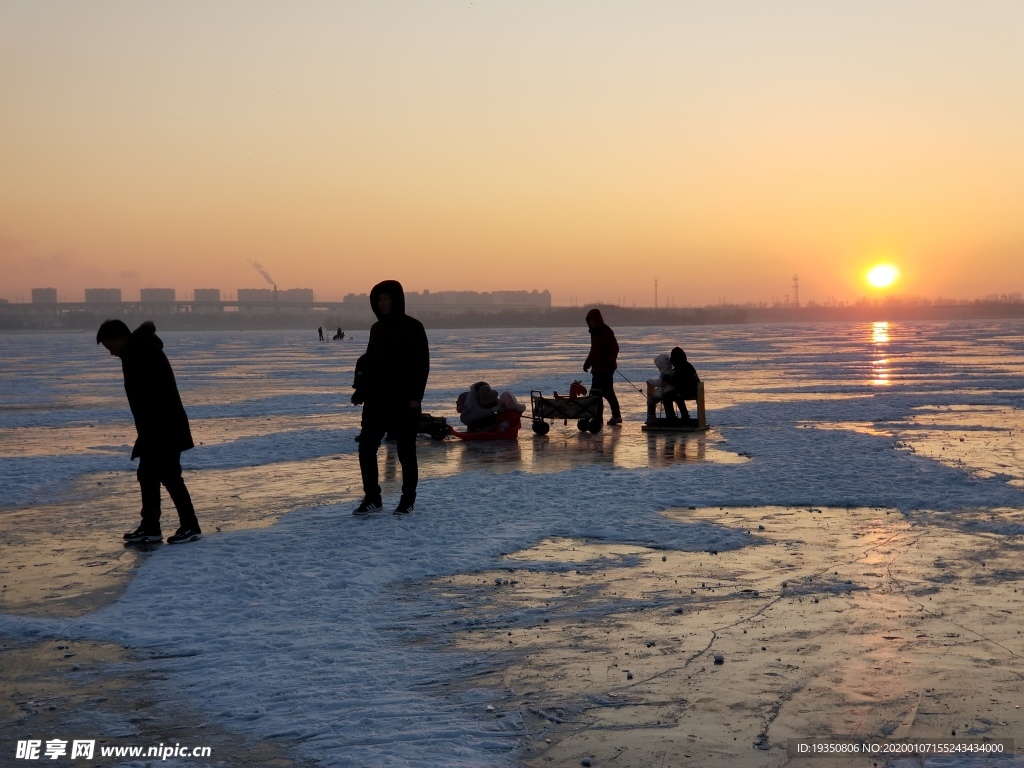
[{"x": 288, "y": 621}]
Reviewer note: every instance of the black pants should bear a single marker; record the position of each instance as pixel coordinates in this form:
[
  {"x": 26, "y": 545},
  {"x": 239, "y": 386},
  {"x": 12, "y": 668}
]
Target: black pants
[
  {"x": 402, "y": 427},
  {"x": 603, "y": 383},
  {"x": 487, "y": 422},
  {"x": 156, "y": 469},
  {"x": 675, "y": 399}
]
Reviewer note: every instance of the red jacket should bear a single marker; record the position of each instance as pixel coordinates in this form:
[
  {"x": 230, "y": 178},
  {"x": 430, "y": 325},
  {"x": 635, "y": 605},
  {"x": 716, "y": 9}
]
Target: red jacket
[{"x": 604, "y": 347}]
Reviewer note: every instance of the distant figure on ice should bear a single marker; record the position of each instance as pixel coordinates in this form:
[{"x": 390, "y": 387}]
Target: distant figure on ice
[
  {"x": 603, "y": 358},
  {"x": 677, "y": 383},
  {"x": 320, "y": 330},
  {"x": 340, "y": 335},
  {"x": 390, "y": 382},
  {"x": 480, "y": 407},
  {"x": 162, "y": 426}
]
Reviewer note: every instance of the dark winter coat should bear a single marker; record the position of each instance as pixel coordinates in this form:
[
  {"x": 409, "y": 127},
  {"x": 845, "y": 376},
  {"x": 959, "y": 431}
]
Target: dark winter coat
[
  {"x": 394, "y": 370},
  {"x": 684, "y": 376},
  {"x": 473, "y": 412},
  {"x": 160, "y": 417},
  {"x": 604, "y": 347}
]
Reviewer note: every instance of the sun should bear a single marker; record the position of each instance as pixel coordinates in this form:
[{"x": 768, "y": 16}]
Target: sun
[{"x": 883, "y": 275}]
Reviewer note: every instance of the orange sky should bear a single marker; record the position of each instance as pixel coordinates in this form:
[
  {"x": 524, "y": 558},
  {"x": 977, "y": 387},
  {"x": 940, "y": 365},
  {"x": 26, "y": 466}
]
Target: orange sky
[{"x": 584, "y": 147}]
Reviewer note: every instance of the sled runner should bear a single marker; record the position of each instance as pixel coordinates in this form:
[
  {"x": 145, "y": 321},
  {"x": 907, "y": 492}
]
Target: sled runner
[{"x": 507, "y": 428}]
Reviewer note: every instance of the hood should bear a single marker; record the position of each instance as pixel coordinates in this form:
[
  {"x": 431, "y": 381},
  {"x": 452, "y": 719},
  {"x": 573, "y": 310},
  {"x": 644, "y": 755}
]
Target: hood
[
  {"x": 485, "y": 396},
  {"x": 594, "y": 318},
  {"x": 145, "y": 336},
  {"x": 664, "y": 363},
  {"x": 678, "y": 356},
  {"x": 394, "y": 288}
]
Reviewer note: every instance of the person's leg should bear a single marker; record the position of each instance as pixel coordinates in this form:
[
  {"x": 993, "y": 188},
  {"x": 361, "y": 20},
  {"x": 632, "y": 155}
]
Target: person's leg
[
  {"x": 170, "y": 476},
  {"x": 405, "y": 434},
  {"x": 668, "y": 401},
  {"x": 603, "y": 383},
  {"x": 485, "y": 423},
  {"x": 613, "y": 401},
  {"x": 678, "y": 399},
  {"x": 369, "y": 441},
  {"x": 148, "y": 474}
]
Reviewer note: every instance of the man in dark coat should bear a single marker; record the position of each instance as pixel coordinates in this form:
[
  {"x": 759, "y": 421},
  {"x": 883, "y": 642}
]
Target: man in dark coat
[
  {"x": 162, "y": 426},
  {"x": 603, "y": 358},
  {"x": 390, "y": 382}
]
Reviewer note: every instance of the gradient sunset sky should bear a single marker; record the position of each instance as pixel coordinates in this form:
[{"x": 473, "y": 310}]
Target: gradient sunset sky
[{"x": 589, "y": 148}]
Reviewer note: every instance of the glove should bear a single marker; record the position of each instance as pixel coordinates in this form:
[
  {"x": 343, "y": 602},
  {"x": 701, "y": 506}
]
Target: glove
[{"x": 586, "y": 368}]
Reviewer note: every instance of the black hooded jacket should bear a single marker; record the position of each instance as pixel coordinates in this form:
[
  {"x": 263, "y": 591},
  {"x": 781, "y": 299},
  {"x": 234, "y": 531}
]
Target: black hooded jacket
[
  {"x": 684, "y": 376},
  {"x": 160, "y": 417},
  {"x": 604, "y": 347},
  {"x": 395, "y": 367}
]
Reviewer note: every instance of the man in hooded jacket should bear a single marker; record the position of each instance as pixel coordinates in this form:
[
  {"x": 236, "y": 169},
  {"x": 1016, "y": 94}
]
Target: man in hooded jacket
[
  {"x": 162, "y": 426},
  {"x": 603, "y": 358},
  {"x": 390, "y": 385},
  {"x": 684, "y": 380}
]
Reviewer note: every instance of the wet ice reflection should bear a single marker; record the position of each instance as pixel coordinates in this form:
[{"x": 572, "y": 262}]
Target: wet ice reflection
[
  {"x": 839, "y": 621},
  {"x": 565, "y": 448},
  {"x": 983, "y": 441},
  {"x": 880, "y": 372}
]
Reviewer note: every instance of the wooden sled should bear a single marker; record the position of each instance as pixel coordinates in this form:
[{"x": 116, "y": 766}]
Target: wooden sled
[{"x": 661, "y": 424}]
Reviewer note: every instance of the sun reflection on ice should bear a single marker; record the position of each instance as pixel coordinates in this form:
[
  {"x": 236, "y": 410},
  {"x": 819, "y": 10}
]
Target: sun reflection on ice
[
  {"x": 880, "y": 372},
  {"x": 880, "y": 332},
  {"x": 880, "y": 367}
]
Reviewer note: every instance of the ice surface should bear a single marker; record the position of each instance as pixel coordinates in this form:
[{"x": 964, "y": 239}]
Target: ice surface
[{"x": 295, "y": 632}]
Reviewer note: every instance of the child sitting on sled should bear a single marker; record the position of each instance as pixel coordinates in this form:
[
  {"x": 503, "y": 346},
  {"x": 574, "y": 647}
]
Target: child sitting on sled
[{"x": 481, "y": 407}]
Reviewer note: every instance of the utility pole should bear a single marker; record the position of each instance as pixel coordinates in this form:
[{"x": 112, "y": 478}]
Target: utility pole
[
  {"x": 655, "y": 293},
  {"x": 796, "y": 291}
]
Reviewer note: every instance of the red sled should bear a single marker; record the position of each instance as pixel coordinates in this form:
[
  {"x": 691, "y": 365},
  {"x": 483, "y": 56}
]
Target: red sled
[{"x": 507, "y": 428}]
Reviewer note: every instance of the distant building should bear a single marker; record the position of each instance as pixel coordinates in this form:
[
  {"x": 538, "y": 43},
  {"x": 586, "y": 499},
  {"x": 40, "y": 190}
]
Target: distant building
[
  {"x": 532, "y": 298},
  {"x": 154, "y": 295},
  {"x": 468, "y": 300},
  {"x": 44, "y": 295},
  {"x": 254, "y": 295},
  {"x": 102, "y": 295},
  {"x": 299, "y": 295},
  {"x": 206, "y": 301}
]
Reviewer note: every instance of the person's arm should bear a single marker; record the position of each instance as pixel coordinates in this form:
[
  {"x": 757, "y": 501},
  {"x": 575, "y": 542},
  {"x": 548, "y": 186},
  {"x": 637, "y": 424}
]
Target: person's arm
[
  {"x": 359, "y": 381},
  {"x": 364, "y": 368},
  {"x": 613, "y": 350},
  {"x": 420, "y": 368},
  {"x": 606, "y": 350},
  {"x": 472, "y": 411}
]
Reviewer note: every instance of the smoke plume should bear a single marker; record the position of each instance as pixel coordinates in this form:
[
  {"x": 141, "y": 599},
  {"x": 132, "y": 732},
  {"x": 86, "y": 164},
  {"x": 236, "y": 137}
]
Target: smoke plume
[{"x": 259, "y": 268}]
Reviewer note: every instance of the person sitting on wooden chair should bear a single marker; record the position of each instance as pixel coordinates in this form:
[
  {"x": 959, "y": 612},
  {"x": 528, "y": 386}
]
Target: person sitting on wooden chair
[{"x": 683, "y": 380}]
